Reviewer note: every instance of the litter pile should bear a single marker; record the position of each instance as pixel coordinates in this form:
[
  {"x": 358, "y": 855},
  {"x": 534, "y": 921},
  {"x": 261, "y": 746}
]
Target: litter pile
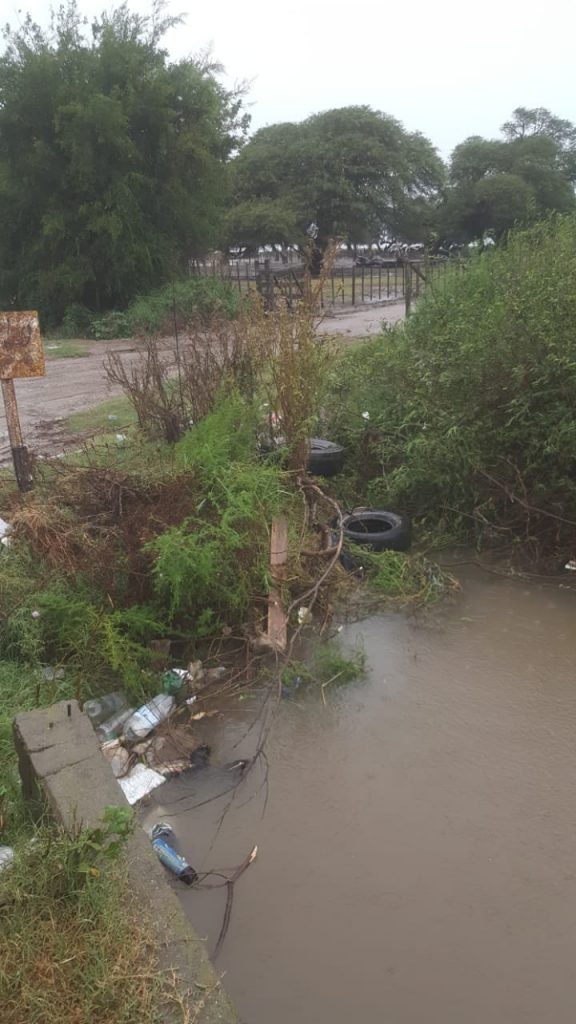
[{"x": 152, "y": 743}]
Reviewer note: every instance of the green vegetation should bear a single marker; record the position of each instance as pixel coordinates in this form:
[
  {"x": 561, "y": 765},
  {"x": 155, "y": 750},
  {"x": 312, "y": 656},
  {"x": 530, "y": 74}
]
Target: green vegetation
[
  {"x": 112, "y": 160},
  {"x": 495, "y": 184},
  {"x": 326, "y": 665},
  {"x": 111, "y": 415},
  {"x": 160, "y": 312},
  {"x": 355, "y": 171},
  {"x": 72, "y": 946},
  {"x": 65, "y": 349},
  {"x": 464, "y": 416}
]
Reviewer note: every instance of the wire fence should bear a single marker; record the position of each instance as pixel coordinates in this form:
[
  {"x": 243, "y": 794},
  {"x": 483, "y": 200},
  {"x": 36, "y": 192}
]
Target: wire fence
[{"x": 346, "y": 285}]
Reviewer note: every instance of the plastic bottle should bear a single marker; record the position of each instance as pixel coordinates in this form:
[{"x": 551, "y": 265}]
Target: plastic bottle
[
  {"x": 99, "y": 709},
  {"x": 146, "y": 718},
  {"x": 112, "y": 728},
  {"x": 167, "y": 855},
  {"x": 174, "y": 680}
]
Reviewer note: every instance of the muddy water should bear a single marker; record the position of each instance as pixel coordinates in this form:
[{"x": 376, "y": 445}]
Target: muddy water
[{"x": 417, "y": 853}]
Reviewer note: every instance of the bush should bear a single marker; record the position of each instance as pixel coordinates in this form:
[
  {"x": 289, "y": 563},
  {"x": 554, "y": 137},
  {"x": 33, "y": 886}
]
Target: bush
[
  {"x": 464, "y": 416},
  {"x": 180, "y": 302},
  {"x": 156, "y": 313}
]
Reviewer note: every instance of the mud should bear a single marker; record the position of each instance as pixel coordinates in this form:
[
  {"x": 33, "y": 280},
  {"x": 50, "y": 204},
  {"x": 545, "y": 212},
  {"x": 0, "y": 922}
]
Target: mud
[{"x": 417, "y": 850}]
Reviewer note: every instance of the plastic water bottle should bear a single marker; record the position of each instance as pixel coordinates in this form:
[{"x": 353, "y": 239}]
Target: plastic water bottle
[
  {"x": 167, "y": 855},
  {"x": 112, "y": 728},
  {"x": 99, "y": 709},
  {"x": 146, "y": 718}
]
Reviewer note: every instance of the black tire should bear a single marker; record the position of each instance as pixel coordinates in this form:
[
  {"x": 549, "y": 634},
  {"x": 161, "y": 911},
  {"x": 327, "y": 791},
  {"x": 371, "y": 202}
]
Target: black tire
[
  {"x": 326, "y": 458},
  {"x": 377, "y": 529}
]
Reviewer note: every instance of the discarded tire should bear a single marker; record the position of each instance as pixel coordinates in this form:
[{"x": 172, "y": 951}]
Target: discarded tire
[
  {"x": 377, "y": 529},
  {"x": 326, "y": 458}
]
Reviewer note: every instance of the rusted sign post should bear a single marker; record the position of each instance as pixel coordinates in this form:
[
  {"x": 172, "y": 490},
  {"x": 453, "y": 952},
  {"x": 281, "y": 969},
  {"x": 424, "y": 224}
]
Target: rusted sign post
[{"x": 21, "y": 355}]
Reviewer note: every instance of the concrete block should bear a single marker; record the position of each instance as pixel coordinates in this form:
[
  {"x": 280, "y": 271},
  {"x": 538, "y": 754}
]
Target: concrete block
[{"x": 63, "y": 770}]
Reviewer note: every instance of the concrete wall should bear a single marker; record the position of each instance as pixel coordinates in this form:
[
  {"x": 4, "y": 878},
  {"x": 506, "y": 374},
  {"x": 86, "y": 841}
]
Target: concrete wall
[{"x": 62, "y": 769}]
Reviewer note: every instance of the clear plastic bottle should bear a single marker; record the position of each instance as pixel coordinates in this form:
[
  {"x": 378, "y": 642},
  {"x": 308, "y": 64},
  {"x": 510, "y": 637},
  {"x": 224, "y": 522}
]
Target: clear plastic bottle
[
  {"x": 99, "y": 709},
  {"x": 112, "y": 728},
  {"x": 146, "y": 718}
]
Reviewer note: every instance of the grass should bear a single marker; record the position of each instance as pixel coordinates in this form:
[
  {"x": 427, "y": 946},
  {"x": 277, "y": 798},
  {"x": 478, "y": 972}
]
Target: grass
[
  {"x": 74, "y": 947},
  {"x": 326, "y": 666},
  {"x": 66, "y": 348},
  {"x": 111, "y": 415}
]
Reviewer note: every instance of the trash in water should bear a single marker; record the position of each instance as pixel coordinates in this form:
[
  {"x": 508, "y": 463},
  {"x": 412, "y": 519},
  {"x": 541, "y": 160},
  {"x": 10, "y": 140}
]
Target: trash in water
[
  {"x": 175, "y": 679},
  {"x": 117, "y": 755},
  {"x": 202, "y": 714},
  {"x": 167, "y": 855},
  {"x": 200, "y": 757},
  {"x": 290, "y": 682},
  {"x": 237, "y": 766},
  {"x": 214, "y": 675},
  {"x": 192, "y": 700},
  {"x": 140, "y": 782},
  {"x": 99, "y": 709},
  {"x": 146, "y": 718},
  {"x": 571, "y": 565},
  {"x": 6, "y": 857},
  {"x": 112, "y": 728}
]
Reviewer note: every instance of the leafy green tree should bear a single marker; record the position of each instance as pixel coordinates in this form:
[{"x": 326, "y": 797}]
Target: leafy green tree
[
  {"x": 112, "y": 159},
  {"x": 497, "y": 183},
  {"x": 354, "y": 171}
]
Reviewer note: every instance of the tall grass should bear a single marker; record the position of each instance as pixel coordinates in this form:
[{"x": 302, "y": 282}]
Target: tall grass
[{"x": 464, "y": 415}]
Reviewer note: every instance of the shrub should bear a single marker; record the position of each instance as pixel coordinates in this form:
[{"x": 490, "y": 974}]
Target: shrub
[{"x": 464, "y": 416}]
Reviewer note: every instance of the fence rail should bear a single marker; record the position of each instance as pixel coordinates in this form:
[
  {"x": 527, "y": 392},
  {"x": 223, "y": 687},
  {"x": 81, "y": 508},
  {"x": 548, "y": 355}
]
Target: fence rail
[{"x": 345, "y": 285}]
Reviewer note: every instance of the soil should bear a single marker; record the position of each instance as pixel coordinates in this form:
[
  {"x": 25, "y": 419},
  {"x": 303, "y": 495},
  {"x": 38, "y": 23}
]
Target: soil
[{"x": 72, "y": 385}]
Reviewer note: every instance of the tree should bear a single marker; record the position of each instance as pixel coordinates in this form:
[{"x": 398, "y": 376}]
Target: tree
[
  {"x": 112, "y": 159},
  {"x": 353, "y": 171},
  {"x": 496, "y": 183}
]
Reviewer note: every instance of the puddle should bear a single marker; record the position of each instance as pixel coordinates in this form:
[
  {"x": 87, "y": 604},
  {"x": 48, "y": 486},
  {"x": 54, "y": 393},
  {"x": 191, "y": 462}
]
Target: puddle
[{"x": 417, "y": 850}]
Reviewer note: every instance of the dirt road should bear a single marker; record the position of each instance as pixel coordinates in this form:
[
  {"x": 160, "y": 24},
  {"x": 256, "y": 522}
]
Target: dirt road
[{"x": 71, "y": 385}]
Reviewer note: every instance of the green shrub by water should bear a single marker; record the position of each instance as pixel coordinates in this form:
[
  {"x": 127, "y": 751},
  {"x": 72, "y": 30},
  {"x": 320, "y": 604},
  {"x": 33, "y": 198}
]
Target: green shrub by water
[{"x": 464, "y": 417}]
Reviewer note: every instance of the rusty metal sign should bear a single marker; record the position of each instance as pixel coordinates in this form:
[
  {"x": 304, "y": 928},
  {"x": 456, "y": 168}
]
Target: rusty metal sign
[{"x": 21, "y": 349}]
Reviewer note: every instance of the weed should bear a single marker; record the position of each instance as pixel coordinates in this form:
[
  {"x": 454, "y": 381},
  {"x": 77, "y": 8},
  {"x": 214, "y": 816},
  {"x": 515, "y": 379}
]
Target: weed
[
  {"x": 73, "y": 945},
  {"x": 464, "y": 415},
  {"x": 403, "y": 580},
  {"x": 66, "y": 349},
  {"x": 327, "y": 665},
  {"x": 112, "y": 415}
]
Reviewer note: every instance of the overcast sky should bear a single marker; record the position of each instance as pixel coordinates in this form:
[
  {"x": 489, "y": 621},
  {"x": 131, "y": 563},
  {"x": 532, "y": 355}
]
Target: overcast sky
[{"x": 449, "y": 69}]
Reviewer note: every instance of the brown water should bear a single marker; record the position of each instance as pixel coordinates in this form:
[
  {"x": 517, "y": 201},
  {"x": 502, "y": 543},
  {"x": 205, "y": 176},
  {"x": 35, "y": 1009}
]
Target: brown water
[{"x": 417, "y": 854}]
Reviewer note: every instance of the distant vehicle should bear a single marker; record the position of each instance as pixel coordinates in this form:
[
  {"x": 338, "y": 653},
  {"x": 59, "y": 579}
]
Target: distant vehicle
[{"x": 375, "y": 261}]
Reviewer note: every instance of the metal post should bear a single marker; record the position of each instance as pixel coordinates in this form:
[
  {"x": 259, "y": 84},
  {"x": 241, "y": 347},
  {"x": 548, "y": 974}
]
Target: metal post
[{"x": 20, "y": 456}]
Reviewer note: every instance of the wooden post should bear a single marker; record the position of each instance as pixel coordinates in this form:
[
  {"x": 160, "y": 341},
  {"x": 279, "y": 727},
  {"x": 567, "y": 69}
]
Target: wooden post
[
  {"x": 20, "y": 456},
  {"x": 353, "y": 286},
  {"x": 277, "y": 622},
  {"x": 407, "y": 288}
]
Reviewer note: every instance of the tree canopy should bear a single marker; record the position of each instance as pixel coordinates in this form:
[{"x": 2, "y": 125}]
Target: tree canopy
[
  {"x": 112, "y": 159},
  {"x": 354, "y": 171},
  {"x": 495, "y": 183}
]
